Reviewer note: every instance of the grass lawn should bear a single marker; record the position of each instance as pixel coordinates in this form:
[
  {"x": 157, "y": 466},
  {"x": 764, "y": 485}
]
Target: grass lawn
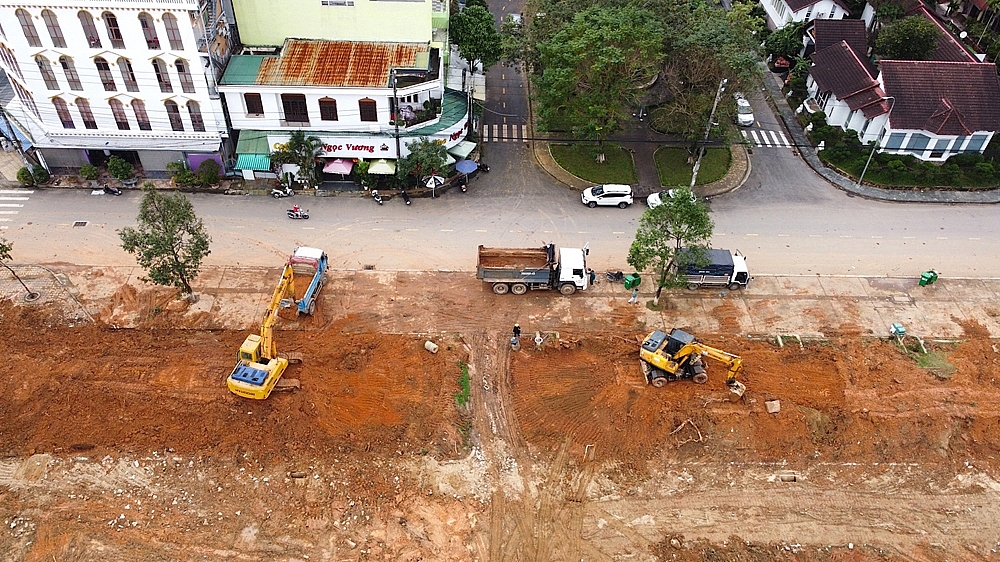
[
  {"x": 671, "y": 163},
  {"x": 580, "y": 160}
]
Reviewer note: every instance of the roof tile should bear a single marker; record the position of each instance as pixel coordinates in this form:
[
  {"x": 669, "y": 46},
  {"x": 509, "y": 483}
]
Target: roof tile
[{"x": 947, "y": 98}]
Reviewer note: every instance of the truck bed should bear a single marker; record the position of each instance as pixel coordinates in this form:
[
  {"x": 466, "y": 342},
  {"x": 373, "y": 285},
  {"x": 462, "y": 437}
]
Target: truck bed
[{"x": 513, "y": 258}]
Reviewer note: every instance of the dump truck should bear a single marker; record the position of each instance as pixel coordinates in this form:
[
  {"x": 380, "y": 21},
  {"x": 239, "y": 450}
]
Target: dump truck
[
  {"x": 516, "y": 270},
  {"x": 308, "y": 263},
  {"x": 715, "y": 268}
]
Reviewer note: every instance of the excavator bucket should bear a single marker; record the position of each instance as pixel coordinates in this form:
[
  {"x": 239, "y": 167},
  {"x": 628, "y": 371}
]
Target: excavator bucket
[{"x": 737, "y": 388}]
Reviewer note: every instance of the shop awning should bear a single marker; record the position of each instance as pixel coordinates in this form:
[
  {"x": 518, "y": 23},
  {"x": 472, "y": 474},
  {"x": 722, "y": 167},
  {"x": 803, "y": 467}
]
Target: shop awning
[
  {"x": 382, "y": 167},
  {"x": 462, "y": 149},
  {"x": 256, "y": 162},
  {"x": 449, "y": 159},
  {"x": 338, "y": 166}
]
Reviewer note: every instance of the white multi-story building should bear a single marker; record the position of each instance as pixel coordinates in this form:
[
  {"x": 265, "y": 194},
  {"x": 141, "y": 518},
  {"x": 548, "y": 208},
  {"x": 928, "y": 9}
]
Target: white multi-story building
[{"x": 133, "y": 78}]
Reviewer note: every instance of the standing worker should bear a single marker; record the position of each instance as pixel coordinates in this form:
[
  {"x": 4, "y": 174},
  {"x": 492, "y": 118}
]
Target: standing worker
[
  {"x": 517, "y": 331},
  {"x": 635, "y": 296}
]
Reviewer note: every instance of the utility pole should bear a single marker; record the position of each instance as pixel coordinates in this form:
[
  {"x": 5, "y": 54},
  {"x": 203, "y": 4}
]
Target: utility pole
[
  {"x": 877, "y": 139},
  {"x": 708, "y": 129},
  {"x": 395, "y": 108}
]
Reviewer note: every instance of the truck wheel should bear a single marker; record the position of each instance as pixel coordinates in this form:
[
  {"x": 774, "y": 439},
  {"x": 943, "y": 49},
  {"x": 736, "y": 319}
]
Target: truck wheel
[
  {"x": 659, "y": 381},
  {"x": 733, "y": 286},
  {"x": 622, "y": 205},
  {"x": 700, "y": 378},
  {"x": 567, "y": 289},
  {"x": 592, "y": 204},
  {"x": 518, "y": 288},
  {"x": 692, "y": 286},
  {"x": 500, "y": 288}
]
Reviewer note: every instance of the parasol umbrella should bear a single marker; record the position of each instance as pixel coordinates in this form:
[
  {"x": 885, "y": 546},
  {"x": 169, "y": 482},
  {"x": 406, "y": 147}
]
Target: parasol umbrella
[
  {"x": 466, "y": 166},
  {"x": 433, "y": 181},
  {"x": 338, "y": 166}
]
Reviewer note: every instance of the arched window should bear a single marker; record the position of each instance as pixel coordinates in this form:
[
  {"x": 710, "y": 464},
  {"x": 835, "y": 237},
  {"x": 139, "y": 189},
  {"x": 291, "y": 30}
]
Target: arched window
[
  {"x": 83, "y": 106},
  {"x": 149, "y": 31},
  {"x": 104, "y": 71},
  {"x": 8, "y": 56},
  {"x": 69, "y": 71},
  {"x": 114, "y": 32},
  {"x": 369, "y": 111},
  {"x": 55, "y": 33},
  {"x": 63, "y": 112},
  {"x": 118, "y": 110},
  {"x": 28, "y": 26},
  {"x": 139, "y": 109},
  {"x": 173, "y": 32},
  {"x": 162, "y": 77},
  {"x": 89, "y": 29},
  {"x": 174, "y": 114},
  {"x": 197, "y": 122},
  {"x": 47, "y": 75},
  {"x": 125, "y": 66},
  {"x": 187, "y": 84},
  {"x": 327, "y": 109}
]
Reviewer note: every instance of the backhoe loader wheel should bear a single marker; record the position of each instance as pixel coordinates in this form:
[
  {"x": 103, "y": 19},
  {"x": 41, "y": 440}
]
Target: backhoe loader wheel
[
  {"x": 700, "y": 378},
  {"x": 660, "y": 382}
]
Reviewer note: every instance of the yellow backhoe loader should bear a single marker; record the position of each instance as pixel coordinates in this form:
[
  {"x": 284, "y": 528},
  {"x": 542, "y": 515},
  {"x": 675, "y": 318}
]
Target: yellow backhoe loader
[
  {"x": 258, "y": 365},
  {"x": 679, "y": 356}
]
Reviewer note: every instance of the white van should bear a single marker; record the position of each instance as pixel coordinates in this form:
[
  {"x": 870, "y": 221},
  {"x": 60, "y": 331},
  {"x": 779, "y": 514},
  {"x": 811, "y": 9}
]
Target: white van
[{"x": 609, "y": 194}]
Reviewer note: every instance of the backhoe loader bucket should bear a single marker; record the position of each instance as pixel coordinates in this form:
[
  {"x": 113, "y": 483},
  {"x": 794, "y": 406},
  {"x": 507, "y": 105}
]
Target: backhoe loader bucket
[{"x": 737, "y": 388}]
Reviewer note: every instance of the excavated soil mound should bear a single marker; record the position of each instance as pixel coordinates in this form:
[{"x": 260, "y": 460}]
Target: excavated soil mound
[
  {"x": 843, "y": 399},
  {"x": 134, "y": 391}
]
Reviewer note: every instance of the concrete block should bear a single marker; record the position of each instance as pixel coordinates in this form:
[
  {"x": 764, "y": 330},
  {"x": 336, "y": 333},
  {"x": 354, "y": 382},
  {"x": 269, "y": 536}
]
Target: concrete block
[{"x": 773, "y": 406}]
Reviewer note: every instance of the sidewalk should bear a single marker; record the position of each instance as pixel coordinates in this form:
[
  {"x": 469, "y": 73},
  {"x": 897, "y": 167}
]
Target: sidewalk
[{"x": 803, "y": 306}]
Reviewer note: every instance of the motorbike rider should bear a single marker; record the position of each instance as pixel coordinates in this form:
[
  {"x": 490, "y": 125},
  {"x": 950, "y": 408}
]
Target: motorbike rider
[{"x": 296, "y": 209}]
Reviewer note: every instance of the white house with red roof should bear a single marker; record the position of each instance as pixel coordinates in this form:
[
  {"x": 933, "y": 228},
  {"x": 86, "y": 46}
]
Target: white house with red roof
[{"x": 782, "y": 12}]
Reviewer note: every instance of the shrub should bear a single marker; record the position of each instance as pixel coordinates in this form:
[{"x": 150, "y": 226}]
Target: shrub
[
  {"x": 967, "y": 160},
  {"x": 89, "y": 172},
  {"x": 120, "y": 169},
  {"x": 208, "y": 172},
  {"x": 817, "y": 119},
  {"x": 985, "y": 170},
  {"x": 24, "y": 176},
  {"x": 40, "y": 175},
  {"x": 182, "y": 175}
]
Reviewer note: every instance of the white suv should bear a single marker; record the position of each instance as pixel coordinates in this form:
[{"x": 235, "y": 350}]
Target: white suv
[
  {"x": 744, "y": 113},
  {"x": 609, "y": 194}
]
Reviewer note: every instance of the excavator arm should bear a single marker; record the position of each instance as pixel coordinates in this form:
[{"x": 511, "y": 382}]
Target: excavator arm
[
  {"x": 734, "y": 362},
  {"x": 284, "y": 291}
]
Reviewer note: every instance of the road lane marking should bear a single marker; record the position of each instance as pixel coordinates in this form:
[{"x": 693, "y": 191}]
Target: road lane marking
[
  {"x": 481, "y": 230},
  {"x": 749, "y": 234},
  {"x": 942, "y": 237},
  {"x": 14, "y": 198},
  {"x": 413, "y": 230},
  {"x": 378, "y": 229},
  {"x": 6, "y": 220},
  {"x": 308, "y": 228},
  {"x": 909, "y": 237},
  {"x": 844, "y": 236},
  {"x": 617, "y": 232},
  {"x": 344, "y": 228},
  {"x": 447, "y": 230},
  {"x": 876, "y": 237},
  {"x": 16, "y": 191},
  {"x": 975, "y": 238},
  {"x": 815, "y": 236},
  {"x": 9, "y": 212},
  {"x": 582, "y": 232},
  {"x": 17, "y": 205},
  {"x": 783, "y": 236}
]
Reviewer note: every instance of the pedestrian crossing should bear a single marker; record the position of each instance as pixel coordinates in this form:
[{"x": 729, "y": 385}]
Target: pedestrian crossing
[
  {"x": 504, "y": 132},
  {"x": 9, "y": 204},
  {"x": 767, "y": 139}
]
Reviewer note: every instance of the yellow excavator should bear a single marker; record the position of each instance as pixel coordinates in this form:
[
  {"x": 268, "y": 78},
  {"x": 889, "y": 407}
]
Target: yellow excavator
[
  {"x": 258, "y": 366},
  {"x": 666, "y": 358}
]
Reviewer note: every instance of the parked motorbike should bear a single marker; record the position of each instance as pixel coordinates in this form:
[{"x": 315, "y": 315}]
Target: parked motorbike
[
  {"x": 615, "y": 276},
  {"x": 376, "y": 196},
  {"x": 108, "y": 190},
  {"x": 282, "y": 191},
  {"x": 300, "y": 214},
  {"x": 464, "y": 186},
  {"x": 406, "y": 198},
  {"x": 484, "y": 167}
]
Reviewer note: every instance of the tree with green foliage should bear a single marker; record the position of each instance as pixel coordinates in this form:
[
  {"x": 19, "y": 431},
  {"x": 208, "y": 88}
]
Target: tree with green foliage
[
  {"x": 6, "y": 247},
  {"x": 787, "y": 41},
  {"x": 302, "y": 151},
  {"x": 25, "y": 177},
  {"x": 169, "y": 241},
  {"x": 911, "y": 38},
  {"x": 677, "y": 223},
  {"x": 594, "y": 68},
  {"x": 120, "y": 169},
  {"x": 426, "y": 158},
  {"x": 474, "y": 31}
]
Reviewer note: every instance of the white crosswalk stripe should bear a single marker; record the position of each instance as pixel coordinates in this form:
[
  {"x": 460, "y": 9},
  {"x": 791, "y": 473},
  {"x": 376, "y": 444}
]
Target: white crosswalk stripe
[
  {"x": 767, "y": 139},
  {"x": 503, "y": 132},
  {"x": 11, "y": 195}
]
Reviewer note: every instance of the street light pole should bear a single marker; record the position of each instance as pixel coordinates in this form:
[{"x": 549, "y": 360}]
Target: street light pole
[
  {"x": 395, "y": 108},
  {"x": 882, "y": 132},
  {"x": 708, "y": 130}
]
